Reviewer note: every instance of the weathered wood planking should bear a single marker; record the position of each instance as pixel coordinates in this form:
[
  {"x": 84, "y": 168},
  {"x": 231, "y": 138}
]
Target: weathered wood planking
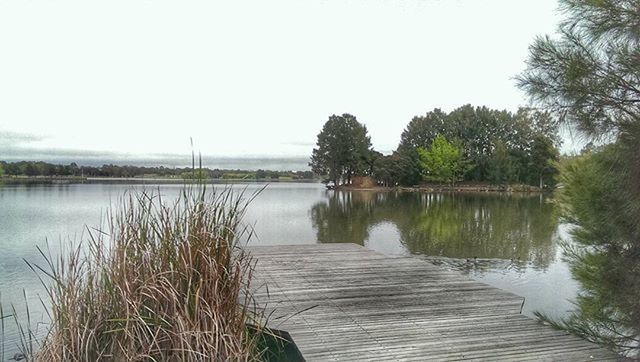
[{"x": 343, "y": 302}]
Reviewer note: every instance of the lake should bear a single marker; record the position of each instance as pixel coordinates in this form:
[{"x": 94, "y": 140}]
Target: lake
[{"x": 509, "y": 241}]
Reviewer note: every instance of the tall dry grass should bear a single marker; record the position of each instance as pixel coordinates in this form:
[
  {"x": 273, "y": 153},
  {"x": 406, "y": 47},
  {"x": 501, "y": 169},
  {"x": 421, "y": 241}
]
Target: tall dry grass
[{"x": 164, "y": 281}]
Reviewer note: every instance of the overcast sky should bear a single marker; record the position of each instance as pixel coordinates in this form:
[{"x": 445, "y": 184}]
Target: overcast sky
[{"x": 248, "y": 78}]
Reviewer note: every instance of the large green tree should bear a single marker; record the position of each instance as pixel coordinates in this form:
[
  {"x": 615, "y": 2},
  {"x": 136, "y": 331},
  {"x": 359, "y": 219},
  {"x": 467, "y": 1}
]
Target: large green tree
[
  {"x": 343, "y": 149},
  {"x": 501, "y": 166},
  {"x": 589, "y": 75},
  {"x": 442, "y": 162}
]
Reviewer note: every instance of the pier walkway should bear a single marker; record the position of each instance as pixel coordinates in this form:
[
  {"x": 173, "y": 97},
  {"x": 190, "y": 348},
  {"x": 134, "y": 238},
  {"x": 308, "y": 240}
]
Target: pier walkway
[{"x": 343, "y": 302}]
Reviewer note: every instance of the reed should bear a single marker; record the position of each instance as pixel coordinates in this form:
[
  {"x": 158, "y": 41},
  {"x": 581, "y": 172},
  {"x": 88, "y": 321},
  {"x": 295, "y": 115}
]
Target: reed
[{"x": 162, "y": 281}]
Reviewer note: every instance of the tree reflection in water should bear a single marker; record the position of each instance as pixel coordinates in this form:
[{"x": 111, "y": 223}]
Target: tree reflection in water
[
  {"x": 512, "y": 233},
  {"x": 486, "y": 226}
]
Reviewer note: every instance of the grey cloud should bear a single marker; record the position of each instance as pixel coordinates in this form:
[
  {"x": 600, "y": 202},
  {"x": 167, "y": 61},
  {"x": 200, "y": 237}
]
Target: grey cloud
[
  {"x": 11, "y": 152},
  {"x": 300, "y": 144},
  {"x": 8, "y": 138}
]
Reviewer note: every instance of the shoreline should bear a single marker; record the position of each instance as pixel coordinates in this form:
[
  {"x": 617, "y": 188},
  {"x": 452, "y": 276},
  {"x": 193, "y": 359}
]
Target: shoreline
[
  {"x": 518, "y": 188},
  {"x": 68, "y": 180},
  {"x": 461, "y": 188}
]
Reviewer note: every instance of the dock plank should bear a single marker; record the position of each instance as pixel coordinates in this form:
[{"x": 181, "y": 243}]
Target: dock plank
[{"x": 343, "y": 302}]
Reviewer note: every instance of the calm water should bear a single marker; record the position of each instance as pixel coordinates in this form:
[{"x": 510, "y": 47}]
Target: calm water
[{"x": 511, "y": 242}]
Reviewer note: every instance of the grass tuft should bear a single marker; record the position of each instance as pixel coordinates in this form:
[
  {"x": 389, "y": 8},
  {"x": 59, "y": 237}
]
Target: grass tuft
[{"x": 163, "y": 281}]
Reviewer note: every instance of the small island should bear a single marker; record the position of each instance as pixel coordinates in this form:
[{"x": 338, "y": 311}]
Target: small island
[{"x": 468, "y": 149}]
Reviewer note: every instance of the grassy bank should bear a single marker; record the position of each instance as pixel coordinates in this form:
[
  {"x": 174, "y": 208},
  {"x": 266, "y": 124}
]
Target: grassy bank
[{"x": 162, "y": 281}]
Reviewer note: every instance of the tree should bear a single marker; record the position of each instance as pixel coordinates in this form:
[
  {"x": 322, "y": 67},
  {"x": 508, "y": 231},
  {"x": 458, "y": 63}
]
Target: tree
[
  {"x": 1, "y": 169},
  {"x": 387, "y": 170},
  {"x": 343, "y": 149},
  {"x": 261, "y": 174},
  {"x": 30, "y": 169},
  {"x": 442, "y": 162},
  {"x": 538, "y": 122},
  {"x": 501, "y": 168},
  {"x": 606, "y": 255},
  {"x": 588, "y": 77},
  {"x": 544, "y": 156},
  {"x": 420, "y": 132},
  {"x": 537, "y": 165}
]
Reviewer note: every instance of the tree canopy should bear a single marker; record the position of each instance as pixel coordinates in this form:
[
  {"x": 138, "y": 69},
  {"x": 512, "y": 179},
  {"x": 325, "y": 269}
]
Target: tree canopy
[
  {"x": 343, "y": 149},
  {"x": 482, "y": 132}
]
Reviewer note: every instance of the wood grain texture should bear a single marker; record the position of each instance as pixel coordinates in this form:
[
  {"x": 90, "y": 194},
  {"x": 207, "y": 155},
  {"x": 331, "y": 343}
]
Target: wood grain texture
[{"x": 343, "y": 302}]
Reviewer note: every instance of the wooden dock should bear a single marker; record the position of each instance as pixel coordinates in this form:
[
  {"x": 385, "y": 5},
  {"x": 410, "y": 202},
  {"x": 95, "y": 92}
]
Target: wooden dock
[{"x": 343, "y": 302}]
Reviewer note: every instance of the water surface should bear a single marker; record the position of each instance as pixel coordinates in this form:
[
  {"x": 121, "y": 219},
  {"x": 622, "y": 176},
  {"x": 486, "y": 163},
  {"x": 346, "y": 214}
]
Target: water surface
[{"x": 509, "y": 241}]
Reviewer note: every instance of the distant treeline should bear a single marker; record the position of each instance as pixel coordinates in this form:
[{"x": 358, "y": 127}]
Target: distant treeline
[{"x": 39, "y": 168}]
